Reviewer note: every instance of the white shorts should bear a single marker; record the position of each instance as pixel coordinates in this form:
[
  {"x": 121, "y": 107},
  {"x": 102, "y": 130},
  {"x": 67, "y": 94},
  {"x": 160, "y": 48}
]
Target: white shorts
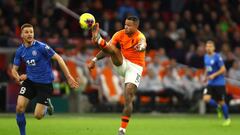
[{"x": 131, "y": 72}]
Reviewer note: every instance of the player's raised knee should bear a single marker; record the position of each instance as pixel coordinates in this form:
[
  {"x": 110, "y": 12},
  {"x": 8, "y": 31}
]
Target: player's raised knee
[
  {"x": 38, "y": 116},
  {"x": 206, "y": 98}
]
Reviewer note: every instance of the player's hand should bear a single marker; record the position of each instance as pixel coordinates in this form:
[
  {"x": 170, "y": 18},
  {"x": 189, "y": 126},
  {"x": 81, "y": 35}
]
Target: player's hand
[
  {"x": 140, "y": 47},
  {"x": 72, "y": 82},
  {"x": 91, "y": 65},
  {"x": 18, "y": 81},
  {"x": 210, "y": 77},
  {"x": 23, "y": 77},
  {"x": 205, "y": 80}
]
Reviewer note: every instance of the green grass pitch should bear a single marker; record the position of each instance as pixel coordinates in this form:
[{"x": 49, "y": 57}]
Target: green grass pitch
[{"x": 108, "y": 124}]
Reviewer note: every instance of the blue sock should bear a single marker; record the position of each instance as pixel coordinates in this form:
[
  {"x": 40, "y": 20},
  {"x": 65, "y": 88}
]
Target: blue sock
[
  {"x": 213, "y": 103},
  {"x": 21, "y": 121},
  {"x": 225, "y": 111}
]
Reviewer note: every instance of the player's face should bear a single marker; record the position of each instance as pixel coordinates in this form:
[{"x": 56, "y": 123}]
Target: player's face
[
  {"x": 27, "y": 34},
  {"x": 130, "y": 27},
  {"x": 210, "y": 48}
]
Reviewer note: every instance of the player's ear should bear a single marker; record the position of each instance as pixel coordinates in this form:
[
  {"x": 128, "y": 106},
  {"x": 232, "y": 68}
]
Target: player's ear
[
  {"x": 136, "y": 23},
  {"x": 21, "y": 34}
]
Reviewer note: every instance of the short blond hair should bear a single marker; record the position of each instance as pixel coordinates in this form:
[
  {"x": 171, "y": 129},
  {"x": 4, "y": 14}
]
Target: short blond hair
[
  {"x": 210, "y": 42},
  {"x": 25, "y": 25}
]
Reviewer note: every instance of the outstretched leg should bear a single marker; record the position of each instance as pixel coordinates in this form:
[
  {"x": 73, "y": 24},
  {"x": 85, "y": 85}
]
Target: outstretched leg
[{"x": 107, "y": 48}]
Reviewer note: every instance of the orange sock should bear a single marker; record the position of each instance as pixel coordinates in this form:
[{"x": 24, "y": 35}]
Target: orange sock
[
  {"x": 124, "y": 123},
  {"x": 102, "y": 43}
]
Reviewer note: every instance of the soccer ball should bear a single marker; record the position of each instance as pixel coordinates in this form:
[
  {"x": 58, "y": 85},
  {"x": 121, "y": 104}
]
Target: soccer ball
[{"x": 86, "y": 21}]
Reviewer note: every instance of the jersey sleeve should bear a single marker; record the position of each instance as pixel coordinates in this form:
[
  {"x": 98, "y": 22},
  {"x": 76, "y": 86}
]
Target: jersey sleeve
[
  {"x": 47, "y": 51},
  {"x": 141, "y": 39},
  {"x": 115, "y": 38},
  {"x": 17, "y": 58},
  {"x": 220, "y": 62}
]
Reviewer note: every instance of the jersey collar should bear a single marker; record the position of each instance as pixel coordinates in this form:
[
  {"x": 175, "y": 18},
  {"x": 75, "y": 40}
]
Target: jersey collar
[
  {"x": 211, "y": 55},
  {"x": 30, "y": 45}
]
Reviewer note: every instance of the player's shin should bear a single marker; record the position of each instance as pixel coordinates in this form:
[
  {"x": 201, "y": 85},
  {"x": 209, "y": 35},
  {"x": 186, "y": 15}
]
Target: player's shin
[
  {"x": 128, "y": 108},
  {"x": 225, "y": 111},
  {"x": 101, "y": 42},
  {"x": 125, "y": 119},
  {"x": 213, "y": 103},
  {"x": 124, "y": 123},
  {"x": 21, "y": 121}
]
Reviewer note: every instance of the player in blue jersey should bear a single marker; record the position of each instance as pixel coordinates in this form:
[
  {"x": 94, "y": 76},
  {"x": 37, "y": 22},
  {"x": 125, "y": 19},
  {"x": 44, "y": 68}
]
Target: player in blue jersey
[
  {"x": 215, "y": 92},
  {"x": 37, "y": 83}
]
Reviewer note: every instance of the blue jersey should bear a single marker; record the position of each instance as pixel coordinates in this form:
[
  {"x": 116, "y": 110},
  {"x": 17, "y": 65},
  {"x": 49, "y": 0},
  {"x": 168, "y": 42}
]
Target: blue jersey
[
  {"x": 212, "y": 64},
  {"x": 38, "y": 61}
]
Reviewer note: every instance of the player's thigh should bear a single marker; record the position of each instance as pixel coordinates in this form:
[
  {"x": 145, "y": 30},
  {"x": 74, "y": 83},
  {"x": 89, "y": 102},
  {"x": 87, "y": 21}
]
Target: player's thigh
[
  {"x": 220, "y": 94},
  {"x": 22, "y": 103},
  {"x": 44, "y": 91},
  {"x": 132, "y": 80},
  {"x": 207, "y": 94},
  {"x": 27, "y": 89},
  {"x": 26, "y": 94},
  {"x": 133, "y": 73},
  {"x": 121, "y": 70},
  {"x": 116, "y": 55}
]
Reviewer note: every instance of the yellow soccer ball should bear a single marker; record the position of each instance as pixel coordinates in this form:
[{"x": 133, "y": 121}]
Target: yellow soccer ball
[{"x": 86, "y": 21}]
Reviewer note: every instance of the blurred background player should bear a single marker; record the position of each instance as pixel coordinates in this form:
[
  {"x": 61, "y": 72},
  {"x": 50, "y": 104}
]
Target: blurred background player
[
  {"x": 215, "y": 92},
  {"x": 37, "y": 83},
  {"x": 128, "y": 61}
]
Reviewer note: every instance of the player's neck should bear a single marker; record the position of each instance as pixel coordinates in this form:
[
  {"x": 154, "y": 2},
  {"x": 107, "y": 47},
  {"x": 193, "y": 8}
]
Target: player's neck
[
  {"x": 211, "y": 54},
  {"x": 28, "y": 44},
  {"x": 131, "y": 34}
]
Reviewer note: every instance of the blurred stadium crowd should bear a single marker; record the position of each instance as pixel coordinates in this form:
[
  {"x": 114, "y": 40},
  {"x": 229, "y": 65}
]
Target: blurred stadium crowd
[{"x": 176, "y": 31}]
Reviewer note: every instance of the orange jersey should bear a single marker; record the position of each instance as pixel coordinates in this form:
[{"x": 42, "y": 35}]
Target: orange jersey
[{"x": 127, "y": 46}]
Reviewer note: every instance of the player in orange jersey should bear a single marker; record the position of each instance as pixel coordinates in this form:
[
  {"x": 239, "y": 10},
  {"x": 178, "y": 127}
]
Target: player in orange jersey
[{"x": 128, "y": 61}]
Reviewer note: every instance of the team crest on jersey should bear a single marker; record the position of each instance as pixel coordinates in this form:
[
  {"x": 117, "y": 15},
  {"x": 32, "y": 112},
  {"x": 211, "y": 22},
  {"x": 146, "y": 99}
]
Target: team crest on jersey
[
  {"x": 212, "y": 61},
  {"x": 220, "y": 59},
  {"x": 34, "y": 53}
]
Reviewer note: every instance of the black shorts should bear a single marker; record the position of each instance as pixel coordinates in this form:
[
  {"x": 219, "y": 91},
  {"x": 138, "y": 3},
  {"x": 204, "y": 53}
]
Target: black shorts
[
  {"x": 217, "y": 92},
  {"x": 40, "y": 91}
]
